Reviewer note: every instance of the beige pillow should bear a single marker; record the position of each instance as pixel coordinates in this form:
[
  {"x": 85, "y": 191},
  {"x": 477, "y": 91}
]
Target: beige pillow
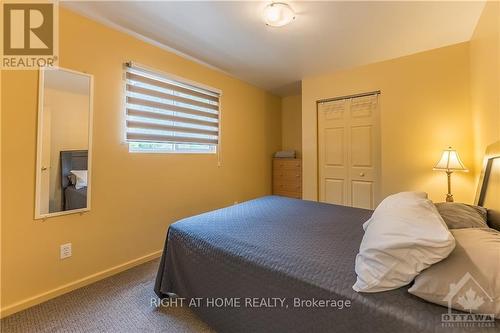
[
  {"x": 459, "y": 215},
  {"x": 469, "y": 279}
]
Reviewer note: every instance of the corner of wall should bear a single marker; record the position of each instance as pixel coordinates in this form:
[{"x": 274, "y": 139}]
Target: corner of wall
[{"x": 485, "y": 82}]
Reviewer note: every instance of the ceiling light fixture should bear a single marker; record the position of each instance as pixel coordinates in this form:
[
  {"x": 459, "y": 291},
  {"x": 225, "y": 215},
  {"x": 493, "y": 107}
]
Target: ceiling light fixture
[{"x": 278, "y": 14}]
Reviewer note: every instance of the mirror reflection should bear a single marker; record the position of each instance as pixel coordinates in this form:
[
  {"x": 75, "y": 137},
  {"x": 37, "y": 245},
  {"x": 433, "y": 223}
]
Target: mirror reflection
[{"x": 64, "y": 137}]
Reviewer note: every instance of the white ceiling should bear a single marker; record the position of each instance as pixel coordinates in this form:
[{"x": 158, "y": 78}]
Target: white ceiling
[{"x": 325, "y": 37}]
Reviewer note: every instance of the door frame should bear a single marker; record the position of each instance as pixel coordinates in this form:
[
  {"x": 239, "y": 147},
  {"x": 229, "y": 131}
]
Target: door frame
[{"x": 378, "y": 140}]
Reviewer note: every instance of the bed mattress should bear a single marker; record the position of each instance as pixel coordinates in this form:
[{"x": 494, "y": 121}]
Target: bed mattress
[{"x": 283, "y": 265}]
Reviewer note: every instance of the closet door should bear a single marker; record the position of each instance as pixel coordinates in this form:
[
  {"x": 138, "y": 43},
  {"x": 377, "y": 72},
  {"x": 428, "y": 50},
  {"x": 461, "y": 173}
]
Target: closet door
[
  {"x": 333, "y": 158},
  {"x": 349, "y": 152}
]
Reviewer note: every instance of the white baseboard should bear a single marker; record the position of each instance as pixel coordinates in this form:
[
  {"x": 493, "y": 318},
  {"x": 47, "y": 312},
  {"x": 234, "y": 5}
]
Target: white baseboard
[{"x": 40, "y": 298}]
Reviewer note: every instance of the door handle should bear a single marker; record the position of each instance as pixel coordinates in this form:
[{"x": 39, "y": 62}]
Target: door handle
[{"x": 44, "y": 168}]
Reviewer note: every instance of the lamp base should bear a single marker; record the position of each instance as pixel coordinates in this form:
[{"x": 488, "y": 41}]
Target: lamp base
[{"x": 449, "y": 196}]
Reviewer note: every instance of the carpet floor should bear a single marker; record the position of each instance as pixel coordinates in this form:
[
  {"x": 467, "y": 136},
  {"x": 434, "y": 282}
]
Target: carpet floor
[{"x": 120, "y": 303}]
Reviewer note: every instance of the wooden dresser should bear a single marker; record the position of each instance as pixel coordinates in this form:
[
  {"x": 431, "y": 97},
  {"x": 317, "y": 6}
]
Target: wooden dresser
[{"x": 287, "y": 177}]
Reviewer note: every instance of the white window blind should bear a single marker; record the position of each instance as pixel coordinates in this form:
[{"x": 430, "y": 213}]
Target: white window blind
[{"x": 169, "y": 113}]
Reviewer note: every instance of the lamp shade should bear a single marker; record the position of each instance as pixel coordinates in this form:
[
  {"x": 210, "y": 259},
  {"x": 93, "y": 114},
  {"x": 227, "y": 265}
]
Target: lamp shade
[{"x": 450, "y": 161}]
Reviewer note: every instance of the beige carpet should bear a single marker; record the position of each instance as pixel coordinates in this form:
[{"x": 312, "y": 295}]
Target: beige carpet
[{"x": 120, "y": 303}]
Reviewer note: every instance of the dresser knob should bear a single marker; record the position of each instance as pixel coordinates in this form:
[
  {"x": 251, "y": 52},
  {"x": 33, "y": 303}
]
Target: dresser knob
[
  {"x": 361, "y": 174},
  {"x": 297, "y": 176}
]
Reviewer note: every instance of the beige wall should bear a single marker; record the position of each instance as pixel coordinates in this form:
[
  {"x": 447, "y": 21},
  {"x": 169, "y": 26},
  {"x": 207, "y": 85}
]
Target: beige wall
[
  {"x": 485, "y": 80},
  {"x": 425, "y": 107},
  {"x": 134, "y": 196},
  {"x": 291, "y": 123}
]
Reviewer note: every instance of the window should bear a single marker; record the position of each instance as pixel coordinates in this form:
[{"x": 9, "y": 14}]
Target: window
[{"x": 169, "y": 115}]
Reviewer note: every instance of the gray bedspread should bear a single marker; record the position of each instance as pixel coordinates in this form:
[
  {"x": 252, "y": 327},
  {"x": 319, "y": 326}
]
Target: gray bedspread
[{"x": 275, "y": 247}]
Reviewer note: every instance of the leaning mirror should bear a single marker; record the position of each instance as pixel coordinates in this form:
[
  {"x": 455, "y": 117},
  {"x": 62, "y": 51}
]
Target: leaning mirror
[{"x": 64, "y": 142}]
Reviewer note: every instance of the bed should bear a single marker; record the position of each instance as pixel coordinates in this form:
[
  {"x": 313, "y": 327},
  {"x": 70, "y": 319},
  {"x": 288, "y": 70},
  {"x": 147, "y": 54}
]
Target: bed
[
  {"x": 73, "y": 198},
  {"x": 275, "y": 248}
]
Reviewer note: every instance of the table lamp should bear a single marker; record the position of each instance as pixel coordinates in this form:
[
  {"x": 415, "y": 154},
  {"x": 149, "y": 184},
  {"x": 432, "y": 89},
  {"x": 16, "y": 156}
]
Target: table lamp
[{"x": 449, "y": 162}]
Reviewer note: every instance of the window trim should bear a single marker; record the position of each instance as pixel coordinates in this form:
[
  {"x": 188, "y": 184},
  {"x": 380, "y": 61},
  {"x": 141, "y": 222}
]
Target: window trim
[{"x": 178, "y": 152}]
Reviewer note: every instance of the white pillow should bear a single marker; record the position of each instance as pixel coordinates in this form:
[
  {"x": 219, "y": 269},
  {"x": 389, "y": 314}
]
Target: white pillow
[
  {"x": 81, "y": 178},
  {"x": 404, "y": 236}
]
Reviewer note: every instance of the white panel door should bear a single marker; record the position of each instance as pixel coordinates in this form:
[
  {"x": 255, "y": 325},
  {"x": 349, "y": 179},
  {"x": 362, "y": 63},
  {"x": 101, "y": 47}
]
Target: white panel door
[
  {"x": 333, "y": 159},
  {"x": 349, "y": 152}
]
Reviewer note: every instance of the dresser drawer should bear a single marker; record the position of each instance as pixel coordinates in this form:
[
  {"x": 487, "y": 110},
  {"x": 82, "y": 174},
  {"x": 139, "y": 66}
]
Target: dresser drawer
[
  {"x": 289, "y": 186},
  {"x": 296, "y": 195},
  {"x": 286, "y": 164},
  {"x": 287, "y": 174}
]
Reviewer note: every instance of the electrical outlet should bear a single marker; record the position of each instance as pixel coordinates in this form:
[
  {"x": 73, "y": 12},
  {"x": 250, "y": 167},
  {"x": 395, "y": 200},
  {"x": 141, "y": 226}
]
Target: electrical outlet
[{"x": 65, "y": 251}]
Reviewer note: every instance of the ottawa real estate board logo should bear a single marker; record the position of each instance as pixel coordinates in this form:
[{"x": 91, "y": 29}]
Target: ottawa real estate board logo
[
  {"x": 30, "y": 35},
  {"x": 469, "y": 296}
]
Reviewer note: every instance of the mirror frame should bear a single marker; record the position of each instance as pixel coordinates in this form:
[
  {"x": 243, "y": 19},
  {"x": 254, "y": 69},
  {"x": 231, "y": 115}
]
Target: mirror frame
[{"x": 41, "y": 90}]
